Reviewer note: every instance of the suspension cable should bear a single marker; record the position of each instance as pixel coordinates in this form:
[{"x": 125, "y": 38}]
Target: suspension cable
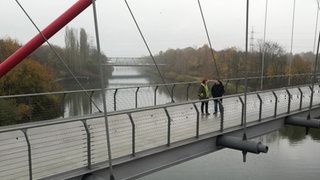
[
  {"x": 147, "y": 46},
  {"x": 209, "y": 41},
  {"x": 292, "y": 29},
  {"x": 246, "y": 75},
  {"x": 314, "y": 76},
  {"x": 58, "y": 55},
  {"x": 264, "y": 45},
  {"x": 102, "y": 89},
  {"x": 316, "y": 28}
]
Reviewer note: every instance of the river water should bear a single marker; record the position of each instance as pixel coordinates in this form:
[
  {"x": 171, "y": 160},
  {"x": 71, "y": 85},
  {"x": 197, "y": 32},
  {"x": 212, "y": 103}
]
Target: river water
[{"x": 292, "y": 154}]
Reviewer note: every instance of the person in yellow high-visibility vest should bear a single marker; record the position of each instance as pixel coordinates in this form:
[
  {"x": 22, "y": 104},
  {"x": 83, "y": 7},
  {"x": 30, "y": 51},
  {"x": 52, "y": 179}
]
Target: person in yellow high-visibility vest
[{"x": 203, "y": 93}]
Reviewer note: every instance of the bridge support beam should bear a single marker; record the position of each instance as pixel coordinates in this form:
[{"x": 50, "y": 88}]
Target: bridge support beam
[
  {"x": 302, "y": 121},
  {"x": 242, "y": 145}
]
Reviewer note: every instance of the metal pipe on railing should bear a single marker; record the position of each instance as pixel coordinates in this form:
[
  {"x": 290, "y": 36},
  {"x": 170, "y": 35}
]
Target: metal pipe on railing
[
  {"x": 198, "y": 119},
  {"x": 275, "y": 103},
  {"x": 221, "y": 115},
  {"x": 289, "y": 100},
  {"x": 115, "y": 100},
  {"x": 155, "y": 95},
  {"x": 29, "y": 153},
  {"x": 242, "y": 110},
  {"x": 88, "y": 142},
  {"x": 133, "y": 135},
  {"x": 136, "y": 96},
  {"x": 260, "y": 106},
  {"x": 169, "y": 126},
  {"x": 301, "y": 95}
]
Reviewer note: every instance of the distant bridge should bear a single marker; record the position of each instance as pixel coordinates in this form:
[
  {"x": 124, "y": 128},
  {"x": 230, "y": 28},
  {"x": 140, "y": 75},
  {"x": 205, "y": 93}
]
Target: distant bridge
[
  {"x": 127, "y": 76},
  {"x": 131, "y": 61}
]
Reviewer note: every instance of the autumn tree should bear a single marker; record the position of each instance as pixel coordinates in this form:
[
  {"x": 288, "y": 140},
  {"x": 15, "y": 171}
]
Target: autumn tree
[
  {"x": 299, "y": 66},
  {"x": 72, "y": 49},
  {"x": 84, "y": 49},
  {"x": 275, "y": 62},
  {"x": 7, "y": 47},
  {"x": 26, "y": 78},
  {"x": 206, "y": 61},
  {"x": 232, "y": 62},
  {"x": 81, "y": 58}
]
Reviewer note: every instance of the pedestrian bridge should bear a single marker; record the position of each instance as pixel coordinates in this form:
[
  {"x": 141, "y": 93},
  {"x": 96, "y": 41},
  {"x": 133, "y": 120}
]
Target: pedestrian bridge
[{"x": 145, "y": 139}]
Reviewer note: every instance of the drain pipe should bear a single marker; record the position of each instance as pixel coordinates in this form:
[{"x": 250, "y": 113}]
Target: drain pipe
[
  {"x": 302, "y": 121},
  {"x": 242, "y": 145}
]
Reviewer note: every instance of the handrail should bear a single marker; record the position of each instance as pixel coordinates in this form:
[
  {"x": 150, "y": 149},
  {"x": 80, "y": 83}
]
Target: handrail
[
  {"x": 97, "y": 115},
  {"x": 65, "y": 93},
  {"x": 143, "y": 86}
]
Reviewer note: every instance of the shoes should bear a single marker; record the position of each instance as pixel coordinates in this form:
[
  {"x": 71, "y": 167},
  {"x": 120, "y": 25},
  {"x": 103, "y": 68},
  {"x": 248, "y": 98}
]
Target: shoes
[
  {"x": 215, "y": 113},
  {"x": 207, "y": 114}
]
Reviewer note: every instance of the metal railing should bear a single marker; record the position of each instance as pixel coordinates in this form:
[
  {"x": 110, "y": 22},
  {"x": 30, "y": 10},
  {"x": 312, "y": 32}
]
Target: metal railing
[
  {"x": 42, "y": 149},
  {"x": 82, "y": 102}
]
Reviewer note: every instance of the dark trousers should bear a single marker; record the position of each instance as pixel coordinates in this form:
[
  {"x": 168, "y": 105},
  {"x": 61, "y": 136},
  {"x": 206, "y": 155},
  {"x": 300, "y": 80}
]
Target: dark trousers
[
  {"x": 218, "y": 103},
  {"x": 204, "y": 104}
]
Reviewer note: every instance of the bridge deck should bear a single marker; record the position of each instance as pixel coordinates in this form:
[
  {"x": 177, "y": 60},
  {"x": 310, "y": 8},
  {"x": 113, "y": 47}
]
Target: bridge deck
[{"x": 45, "y": 149}]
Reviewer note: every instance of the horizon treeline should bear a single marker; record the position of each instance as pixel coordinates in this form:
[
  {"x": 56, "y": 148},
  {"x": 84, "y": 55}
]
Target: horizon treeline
[{"x": 191, "y": 64}]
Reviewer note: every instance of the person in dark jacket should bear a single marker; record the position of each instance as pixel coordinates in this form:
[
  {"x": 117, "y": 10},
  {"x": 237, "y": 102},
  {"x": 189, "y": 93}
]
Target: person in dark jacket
[
  {"x": 203, "y": 93},
  {"x": 217, "y": 91}
]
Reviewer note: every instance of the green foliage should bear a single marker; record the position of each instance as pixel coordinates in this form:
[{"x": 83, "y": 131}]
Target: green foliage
[
  {"x": 7, "y": 47},
  {"x": 26, "y": 78},
  {"x": 8, "y": 113}
]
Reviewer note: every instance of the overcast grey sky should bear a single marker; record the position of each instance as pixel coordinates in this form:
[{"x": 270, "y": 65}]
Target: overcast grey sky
[{"x": 168, "y": 23}]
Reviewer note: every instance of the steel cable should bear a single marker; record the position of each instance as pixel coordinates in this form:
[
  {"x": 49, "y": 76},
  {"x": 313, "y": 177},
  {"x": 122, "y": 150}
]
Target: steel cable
[
  {"x": 95, "y": 18},
  {"x": 209, "y": 41},
  {"x": 147, "y": 46}
]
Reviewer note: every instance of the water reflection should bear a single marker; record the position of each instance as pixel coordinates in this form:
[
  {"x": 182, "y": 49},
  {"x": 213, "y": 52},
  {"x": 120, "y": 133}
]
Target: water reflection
[
  {"x": 297, "y": 134},
  {"x": 80, "y": 104},
  {"x": 77, "y": 104}
]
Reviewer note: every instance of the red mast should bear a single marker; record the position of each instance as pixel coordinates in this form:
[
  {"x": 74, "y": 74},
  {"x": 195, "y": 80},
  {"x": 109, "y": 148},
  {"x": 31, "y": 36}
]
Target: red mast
[{"x": 48, "y": 32}]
